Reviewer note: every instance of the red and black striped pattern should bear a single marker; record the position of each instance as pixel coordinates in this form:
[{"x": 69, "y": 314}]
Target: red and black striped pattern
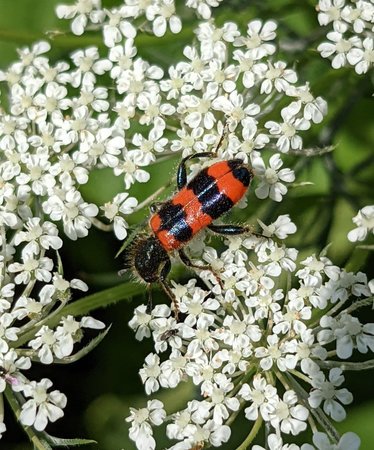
[{"x": 211, "y": 193}]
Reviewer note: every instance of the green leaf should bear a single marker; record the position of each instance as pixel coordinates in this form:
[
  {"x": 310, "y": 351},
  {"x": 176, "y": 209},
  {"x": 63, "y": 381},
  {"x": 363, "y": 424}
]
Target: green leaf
[
  {"x": 42, "y": 444},
  {"x": 60, "y": 442},
  {"x": 83, "y": 306}
]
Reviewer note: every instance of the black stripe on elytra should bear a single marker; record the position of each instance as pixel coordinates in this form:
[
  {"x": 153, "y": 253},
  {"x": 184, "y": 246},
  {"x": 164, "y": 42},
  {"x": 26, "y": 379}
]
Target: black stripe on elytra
[
  {"x": 213, "y": 202},
  {"x": 239, "y": 171},
  {"x": 201, "y": 182},
  {"x": 173, "y": 219}
]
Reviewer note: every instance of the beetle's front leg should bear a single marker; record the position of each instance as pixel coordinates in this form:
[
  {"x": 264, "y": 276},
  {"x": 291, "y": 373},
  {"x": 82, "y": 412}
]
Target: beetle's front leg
[{"x": 182, "y": 171}]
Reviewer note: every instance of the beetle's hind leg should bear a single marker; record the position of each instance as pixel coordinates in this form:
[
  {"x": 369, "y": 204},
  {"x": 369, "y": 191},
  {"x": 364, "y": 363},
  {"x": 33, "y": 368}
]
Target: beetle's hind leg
[{"x": 187, "y": 261}]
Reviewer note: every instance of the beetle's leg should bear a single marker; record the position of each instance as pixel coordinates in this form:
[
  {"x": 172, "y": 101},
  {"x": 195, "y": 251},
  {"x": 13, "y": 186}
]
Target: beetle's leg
[
  {"x": 230, "y": 230},
  {"x": 186, "y": 260},
  {"x": 162, "y": 280},
  {"x": 182, "y": 171},
  {"x": 172, "y": 297},
  {"x": 224, "y": 129},
  {"x": 149, "y": 302},
  {"x": 234, "y": 230}
]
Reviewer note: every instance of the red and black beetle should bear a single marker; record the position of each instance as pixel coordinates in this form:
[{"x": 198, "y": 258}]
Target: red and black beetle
[{"x": 208, "y": 195}]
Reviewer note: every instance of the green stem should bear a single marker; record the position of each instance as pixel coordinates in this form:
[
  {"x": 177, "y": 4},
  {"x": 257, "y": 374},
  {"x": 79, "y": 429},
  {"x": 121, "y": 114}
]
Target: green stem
[
  {"x": 354, "y": 366},
  {"x": 300, "y": 375},
  {"x": 1, "y": 408},
  {"x": 360, "y": 304},
  {"x": 251, "y": 435}
]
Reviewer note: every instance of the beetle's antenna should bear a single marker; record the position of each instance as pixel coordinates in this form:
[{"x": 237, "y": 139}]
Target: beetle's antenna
[{"x": 223, "y": 135}]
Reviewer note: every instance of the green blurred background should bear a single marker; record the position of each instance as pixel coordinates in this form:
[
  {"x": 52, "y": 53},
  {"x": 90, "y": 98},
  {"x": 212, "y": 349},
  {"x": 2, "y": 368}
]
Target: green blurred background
[{"x": 102, "y": 386}]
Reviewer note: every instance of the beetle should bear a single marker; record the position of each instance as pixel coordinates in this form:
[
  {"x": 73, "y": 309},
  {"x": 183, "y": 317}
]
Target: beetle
[{"x": 212, "y": 192}]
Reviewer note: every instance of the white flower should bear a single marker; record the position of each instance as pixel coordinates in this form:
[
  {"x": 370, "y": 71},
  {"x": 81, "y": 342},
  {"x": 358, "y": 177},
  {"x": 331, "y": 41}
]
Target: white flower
[
  {"x": 197, "y": 307},
  {"x": 357, "y": 14},
  {"x": 52, "y": 99},
  {"x": 30, "y": 57},
  {"x": 38, "y": 234},
  {"x": 339, "y": 47},
  {"x": 70, "y": 331},
  {"x": 7, "y": 332},
  {"x": 324, "y": 391},
  {"x": 88, "y": 63},
  {"x": 31, "y": 268},
  {"x": 140, "y": 322},
  {"x": 221, "y": 399},
  {"x": 287, "y": 131},
  {"x": 314, "y": 108},
  {"x": 277, "y": 258},
  {"x": 117, "y": 28},
  {"x": 315, "y": 267},
  {"x": 81, "y": 12},
  {"x": 155, "y": 142},
  {"x": 10, "y": 369},
  {"x": 277, "y": 77},
  {"x": 102, "y": 148},
  {"x": 198, "y": 110},
  {"x": 161, "y": 13},
  {"x": 362, "y": 59},
  {"x": 234, "y": 108},
  {"x": 276, "y": 353},
  {"x": 289, "y": 416},
  {"x": 281, "y": 228},
  {"x": 263, "y": 398},
  {"x": 150, "y": 372},
  {"x": 153, "y": 108},
  {"x": 365, "y": 224},
  {"x": 258, "y": 35},
  {"x": 50, "y": 344},
  {"x": 141, "y": 421},
  {"x": 271, "y": 177},
  {"x": 292, "y": 317},
  {"x": 349, "y": 334},
  {"x": 330, "y": 11},
  {"x": 121, "y": 204},
  {"x": 42, "y": 406}
]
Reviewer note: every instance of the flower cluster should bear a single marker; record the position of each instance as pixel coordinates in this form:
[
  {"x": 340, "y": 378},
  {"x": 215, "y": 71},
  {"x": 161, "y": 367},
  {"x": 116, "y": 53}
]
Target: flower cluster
[
  {"x": 229, "y": 83},
  {"x": 250, "y": 342},
  {"x": 25, "y": 311},
  {"x": 351, "y": 41}
]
